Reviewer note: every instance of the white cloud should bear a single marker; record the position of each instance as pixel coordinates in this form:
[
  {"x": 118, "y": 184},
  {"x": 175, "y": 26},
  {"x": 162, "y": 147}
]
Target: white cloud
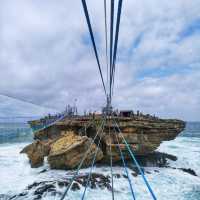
[{"x": 44, "y": 58}]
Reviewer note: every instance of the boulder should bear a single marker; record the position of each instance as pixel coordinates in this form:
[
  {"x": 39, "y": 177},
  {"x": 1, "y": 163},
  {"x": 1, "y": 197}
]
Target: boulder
[
  {"x": 66, "y": 147},
  {"x": 68, "y": 151},
  {"x": 36, "y": 152}
]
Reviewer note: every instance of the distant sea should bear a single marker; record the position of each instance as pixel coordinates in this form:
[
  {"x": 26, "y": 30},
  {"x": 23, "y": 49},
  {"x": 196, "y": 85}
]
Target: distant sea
[{"x": 167, "y": 183}]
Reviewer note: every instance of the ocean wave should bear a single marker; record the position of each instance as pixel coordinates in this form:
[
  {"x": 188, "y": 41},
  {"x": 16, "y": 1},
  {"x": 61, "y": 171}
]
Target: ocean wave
[{"x": 168, "y": 183}]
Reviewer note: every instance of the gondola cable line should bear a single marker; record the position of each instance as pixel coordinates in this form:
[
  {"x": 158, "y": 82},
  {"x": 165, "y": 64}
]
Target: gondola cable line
[
  {"x": 111, "y": 162},
  {"x": 108, "y": 93},
  {"x": 93, "y": 42},
  {"x": 136, "y": 162},
  {"x": 112, "y": 74},
  {"x": 125, "y": 166}
]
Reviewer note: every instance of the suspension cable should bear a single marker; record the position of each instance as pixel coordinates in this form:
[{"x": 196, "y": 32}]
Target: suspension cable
[
  {"x": 26, "y": 101},
  {"x": 106, "y": 38},
  {"x": 111, "y": 164},
  {"x": 93, "y": 42},
  {"x": 125, "y": 166},
  {"x": 92, "y": 166},
  {"x": 137, "y": 164},
  {"x": 81, "y": 163},
  {"x": 112, "y": 7},
  {"x": 20, "y": 117},
  {"x": 116, "y": 41}
]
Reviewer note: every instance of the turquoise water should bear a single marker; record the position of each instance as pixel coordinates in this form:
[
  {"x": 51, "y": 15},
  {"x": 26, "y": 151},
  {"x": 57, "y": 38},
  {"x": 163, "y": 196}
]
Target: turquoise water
[
  {"x": 168, "y": 184},
  {"x": 15, "y": 132}
]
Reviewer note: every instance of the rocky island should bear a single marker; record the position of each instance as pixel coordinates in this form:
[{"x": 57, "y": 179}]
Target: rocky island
[{"x": 65, "y": 142}]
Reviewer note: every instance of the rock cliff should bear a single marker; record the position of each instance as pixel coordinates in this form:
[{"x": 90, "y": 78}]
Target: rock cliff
[{"x": 66, "y": 142}]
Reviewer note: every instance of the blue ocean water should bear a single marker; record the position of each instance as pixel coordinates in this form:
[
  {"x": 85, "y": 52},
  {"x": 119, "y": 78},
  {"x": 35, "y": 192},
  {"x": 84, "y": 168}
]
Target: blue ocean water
[
  {"x": 15, "y": 132},
  {"x": 173, "y": 184}
]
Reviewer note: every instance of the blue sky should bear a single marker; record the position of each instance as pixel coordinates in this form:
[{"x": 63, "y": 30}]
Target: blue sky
[{"x": 46, "y": 57}]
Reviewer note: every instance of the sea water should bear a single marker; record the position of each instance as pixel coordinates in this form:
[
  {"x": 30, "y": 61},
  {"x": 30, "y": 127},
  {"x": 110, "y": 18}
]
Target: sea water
[{"x": 167, "y": 183}]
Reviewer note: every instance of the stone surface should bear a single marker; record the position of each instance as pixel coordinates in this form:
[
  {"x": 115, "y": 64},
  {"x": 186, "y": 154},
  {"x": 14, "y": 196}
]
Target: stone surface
[
  {"x": 36, "y": 152},
  {"x": 143, "y": 136},
  {"x": 44, "y": 189},
  {"x": 69, "y": 139},
  {"x": 68, "y": 151}
]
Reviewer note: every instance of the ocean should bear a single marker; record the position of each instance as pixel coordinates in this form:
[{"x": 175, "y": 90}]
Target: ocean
[{"x": 167, "y": 183}]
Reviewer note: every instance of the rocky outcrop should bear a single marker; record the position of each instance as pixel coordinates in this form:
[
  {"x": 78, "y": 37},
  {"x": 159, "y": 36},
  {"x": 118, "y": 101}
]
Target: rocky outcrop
[
  {"x": 66, "y": 142},
  {"x": 36, "y": 152},
  {"x": 67, "y": 152},
  {"x": 144, "y": 136},
  {"x": 39, "y": 190}
]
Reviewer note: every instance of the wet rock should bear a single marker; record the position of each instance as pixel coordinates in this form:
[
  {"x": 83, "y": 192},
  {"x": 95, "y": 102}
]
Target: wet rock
[
  {"x": 96, "y": 180},
  {"x": 134, "y": 174},
  {"x": 189, "y": 171},
  {"x": 125, "y": 176},
  {"x": 75, "y": 186},
  {"x": 68, "y": 151},
  {"x": 43, "y": 171},
  {"x": 35, "y": 184},
  {"x": 22, "y": 194},
  {"x": 116, "y": 175},
  {"x": 45, "y": 188},
  {"x": 62, "y": 184},
  {"x": 155, "y": 159}
]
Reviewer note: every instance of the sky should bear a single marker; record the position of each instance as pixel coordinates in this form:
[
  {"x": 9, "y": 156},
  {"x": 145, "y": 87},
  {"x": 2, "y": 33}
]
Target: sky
[{"x": 46, "y": 57}]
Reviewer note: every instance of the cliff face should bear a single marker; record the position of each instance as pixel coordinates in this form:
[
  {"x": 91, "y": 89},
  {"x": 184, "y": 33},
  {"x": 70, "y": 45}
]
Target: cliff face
[
  {"x": 68, "y": 140},
  {"x": 144, "y": 136}
]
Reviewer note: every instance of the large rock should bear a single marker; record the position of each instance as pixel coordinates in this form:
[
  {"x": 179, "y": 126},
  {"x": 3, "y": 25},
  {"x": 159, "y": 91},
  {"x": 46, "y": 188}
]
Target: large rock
[
  {"x": 144, "y": 134},
  {"x": 68, "y": 151},
  {"x": 36, "y": 152}
]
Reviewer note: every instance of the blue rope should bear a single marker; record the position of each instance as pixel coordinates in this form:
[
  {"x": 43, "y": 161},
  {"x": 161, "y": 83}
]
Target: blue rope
[
  {"x": 112, "y": 7},
  {"x": 92, "y": 166},
  {"x": 93, "y": 42},
  {"x": 111, "y": 165},
  {"x": 137, "y": 164},
  {"x": 116, "y": 40},
  {"x": 125, "y": 167},
  {"x": 80, "y": 165},
  {"x": 106, "y": 38}
]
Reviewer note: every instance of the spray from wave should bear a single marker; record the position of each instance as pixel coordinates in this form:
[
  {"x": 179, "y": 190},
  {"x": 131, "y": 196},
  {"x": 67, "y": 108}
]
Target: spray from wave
[{"x": 168, "y": 183}]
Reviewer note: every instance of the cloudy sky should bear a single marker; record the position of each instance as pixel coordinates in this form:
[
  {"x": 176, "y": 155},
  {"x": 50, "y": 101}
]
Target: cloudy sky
[{"x": 46, "y": 57}]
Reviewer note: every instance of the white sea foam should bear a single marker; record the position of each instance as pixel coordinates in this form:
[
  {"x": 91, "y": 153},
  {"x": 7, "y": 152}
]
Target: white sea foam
[
  {"x": 186, "y": 149},
  {"x": 16, "y": 175}
]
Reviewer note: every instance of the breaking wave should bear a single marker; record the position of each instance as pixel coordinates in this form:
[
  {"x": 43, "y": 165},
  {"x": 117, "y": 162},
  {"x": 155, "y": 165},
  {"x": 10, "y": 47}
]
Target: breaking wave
[{"x": 168, "y": 183}]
